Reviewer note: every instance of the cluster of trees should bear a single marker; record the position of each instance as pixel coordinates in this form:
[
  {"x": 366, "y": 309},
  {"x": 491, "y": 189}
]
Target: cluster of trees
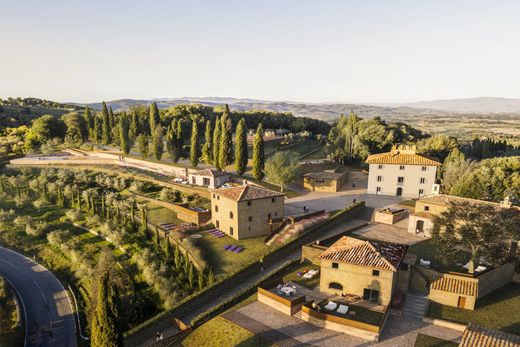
[
  {"x": 35, "y": 102},
  {"x": 487, "y": 147},
  {"x": 354, "y": 138}
]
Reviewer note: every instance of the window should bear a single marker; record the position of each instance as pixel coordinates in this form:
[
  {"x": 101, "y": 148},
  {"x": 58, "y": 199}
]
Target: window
[
  {"x": 205, "y": 181},
  {"x": 426, "y": 208},
  {"x": 250, "y": 218},
  {"x": 214, "y": 196},
  {"x": 217, "y": 224},
  {"x": 423, "y": 180},
  {"x": 335, "y": 265},
  {"x": 379, "y": 178},
  {"x": 193, "y": 179},
  {"x": 421, "y": 191},
  {"x": 230, "y": 215},
  {"x": 380, "y": 167},
  {"x": 230, "y": 230},
  {"x": 375, "y": 272},
  {"x": 335, "y": 285},
  {"x": 216, "y": 208},
  {"x": 424, "y": 168},
  {"x": 401, "y": 167},
  {"x": 378, "y": 189},
  {"x": 249, "y": 203},
  {"x": 268, "y": 216},
  {"x": 272, "y": 199},
  {"x": 400, "y": 179},
  {"x": 371, "y": 295},
  {"x": 218, "y": 197}
]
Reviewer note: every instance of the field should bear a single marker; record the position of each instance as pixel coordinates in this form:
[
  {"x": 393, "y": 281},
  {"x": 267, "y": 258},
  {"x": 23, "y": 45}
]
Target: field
[{"x": 499, "y": 310}]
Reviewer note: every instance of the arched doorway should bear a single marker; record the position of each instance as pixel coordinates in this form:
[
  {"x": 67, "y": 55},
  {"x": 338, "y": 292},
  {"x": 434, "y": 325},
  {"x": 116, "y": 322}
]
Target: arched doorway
[
  {"x": 399, "y": 191},
  {"x": 419, "y": 226},
  {"x": 335, "y": 285}
]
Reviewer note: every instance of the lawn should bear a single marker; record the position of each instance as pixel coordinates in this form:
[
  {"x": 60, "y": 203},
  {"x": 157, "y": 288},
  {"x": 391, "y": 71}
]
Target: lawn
[
  {"x": 498, "y": 310},
  {"x": 225, "y": 262},
  {"x": 408, "y": 203},
  {"x": 309, "y": 283},
  {"x": 431, "y": 341},
  {"x": 426, "y": 250},
  {"x": 10, "y": 333}
]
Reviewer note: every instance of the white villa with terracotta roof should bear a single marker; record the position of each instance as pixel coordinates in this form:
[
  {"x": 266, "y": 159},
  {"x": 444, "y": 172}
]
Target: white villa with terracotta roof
[
  {"x": 401, "y": 172},
  {"x": 208, "y": 178},
  {"x": 246, "y": 211},
  {"x": 364, "y": 268}
]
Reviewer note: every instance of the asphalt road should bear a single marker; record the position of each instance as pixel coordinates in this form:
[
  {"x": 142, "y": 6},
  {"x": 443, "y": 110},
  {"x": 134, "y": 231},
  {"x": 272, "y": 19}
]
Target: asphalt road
[{"x": 48, "y": 313}]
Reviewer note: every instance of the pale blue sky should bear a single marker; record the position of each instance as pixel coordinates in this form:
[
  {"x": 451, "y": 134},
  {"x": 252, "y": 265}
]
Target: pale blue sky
[{"x": 319, "y": 51}]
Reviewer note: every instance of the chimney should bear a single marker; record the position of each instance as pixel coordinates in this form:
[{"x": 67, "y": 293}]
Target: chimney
[{"x": 506, "y": 203}]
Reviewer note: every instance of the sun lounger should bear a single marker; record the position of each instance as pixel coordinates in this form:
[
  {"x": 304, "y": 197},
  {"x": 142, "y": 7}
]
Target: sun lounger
[
  {"x": 331, "y": 306},
  {"x": 226, "y": 247},
  {"x": 424, "y": 262},
  {"x": 480, "y": 268},
  {"x": 232, "y": 248},
  {"x": 342, "y": 309},
  {"x": 238, "y": 249}
]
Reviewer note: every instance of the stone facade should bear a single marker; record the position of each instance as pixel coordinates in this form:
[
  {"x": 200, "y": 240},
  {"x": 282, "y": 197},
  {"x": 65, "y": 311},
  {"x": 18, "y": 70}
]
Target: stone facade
[
  {"x": 327, "y": 181},
  {"x": 208, "y": 178}
]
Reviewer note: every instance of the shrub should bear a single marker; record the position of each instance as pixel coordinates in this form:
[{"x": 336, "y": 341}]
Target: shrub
[
  {"x": 58, "y": 237},
  {"x": 41, "y": 202},
  {"x": 74, "y": 215},
  {"x": 36, "y": 228}
]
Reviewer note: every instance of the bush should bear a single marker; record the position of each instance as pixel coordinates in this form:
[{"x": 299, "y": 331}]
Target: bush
[
  {"x": 36, "y": 228},
  {"x": 58, "y": 237},
  {"x": 41, "y": 202},
  {"x": 170, "y": 195}
]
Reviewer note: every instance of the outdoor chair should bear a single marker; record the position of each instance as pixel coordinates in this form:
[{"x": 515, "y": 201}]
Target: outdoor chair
[
  {"x": 331, "y": 306},
  {"x": 342, "y": 309}
]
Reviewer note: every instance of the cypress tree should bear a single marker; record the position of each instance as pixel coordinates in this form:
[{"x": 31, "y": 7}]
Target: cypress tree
[
  {"x": 216, "y": 144},
  {"x": 157, "y": 143},
  {"x": 97, "y": 133},
  {"x": 179, "y": 140},
  {"x": 155, "y": 119},
  {"x": 89, "y": 120},
  {"x": 104, "y": 329},
  {"x": 211, "y": 278},
  {"x": 177, "y": 257},
  {"x": 207, "y": 149},
  {"x": 105, "y": 118},
  {"x": 194, "y": 146},
  {"x": 111, "y": 117},
  {"x": 124, "y": 139},
  {"x": 191, "y": 275},
  {"x": 157, "y": 237},
  {"x": 142, "y": 141},
  {"x": 226, "y": 144},
  {"x": 167, "y": 249},
  {"x": 241, "y": 147},
  {"x": 200, "y": 280},
  {"x": 258, "y": 153},
  {"x": 134, "y": 127},
  {"x": 170, "y": 140},
  {"x": 187, "y": 262}
]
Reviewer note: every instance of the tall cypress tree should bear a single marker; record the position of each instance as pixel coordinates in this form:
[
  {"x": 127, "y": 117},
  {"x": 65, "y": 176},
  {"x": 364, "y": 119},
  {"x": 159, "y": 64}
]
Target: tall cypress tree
[
  {"x": 104, "y": 329},
  {"x": 170, "y": 141},
  {"x": 207, "y": 152},
  {"x": 124, "y": 139},
  {"x": 258, "y": 153},
  {"x": 226, "y": 144},
  {"x": 216, "y": 144},
  {"x": 155, "y": 119},
  {"x": 179, "y": 139},
  {"x": 134, "y": 127},
  {"x": 89, "y": 120},
  {"x": 241, "y": 147},
  {"x": 105, "y": 118},
  {"x": 194, "y": 145},
  {"x": 111, "y": 117},
  {"x": 157, "y": 143},
  {"x": 98, "y": 130}
]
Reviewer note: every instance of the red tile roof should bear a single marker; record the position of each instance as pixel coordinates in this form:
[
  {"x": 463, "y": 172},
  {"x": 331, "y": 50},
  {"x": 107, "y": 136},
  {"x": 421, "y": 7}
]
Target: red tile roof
[
  {"x": 248, "y": 192},
  {"x": 210, "y": 172},
  {"x": 455, "y": 285},
  {"x": 445, "y": 200},
  {"x": 479, "y": 336},
  {"x": 376, "y": 254},
  {"x": 398, "y": 158}
]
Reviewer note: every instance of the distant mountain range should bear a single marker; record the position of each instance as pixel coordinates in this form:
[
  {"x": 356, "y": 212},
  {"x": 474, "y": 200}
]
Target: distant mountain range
[{"x": 330, "y": 111}]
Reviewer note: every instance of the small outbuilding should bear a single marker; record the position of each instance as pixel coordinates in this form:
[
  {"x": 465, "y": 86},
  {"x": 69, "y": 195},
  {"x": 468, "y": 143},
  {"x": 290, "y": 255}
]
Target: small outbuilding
[
  {"x": 208, "y": 178},
  {"x": 325, "y": 181}
]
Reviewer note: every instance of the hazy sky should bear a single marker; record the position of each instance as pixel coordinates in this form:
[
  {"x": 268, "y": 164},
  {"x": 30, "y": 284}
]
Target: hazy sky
[{"x": 351, "y": 51}]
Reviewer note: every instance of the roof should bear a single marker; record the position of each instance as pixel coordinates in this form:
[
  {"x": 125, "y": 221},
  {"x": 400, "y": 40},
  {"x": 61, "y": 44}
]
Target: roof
[
  {"x": 455, "y": 285},
  {"x": 325, "y": 175},
  {"x": 478, "y": 336},
  {"x": 376, "y": 254},
  {"x": 209, "y": 172},
  {"x": 248, "y": 192},
  {"x": 445, "y": 200},
  {"x": 397, "y": 157},
  {"x": 424, "y": 214}
]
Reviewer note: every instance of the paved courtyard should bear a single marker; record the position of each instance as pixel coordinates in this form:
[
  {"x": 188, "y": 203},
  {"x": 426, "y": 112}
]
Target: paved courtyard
[
  {"x": 288, "y": 331},
  {"x": 387, "y": 233}
]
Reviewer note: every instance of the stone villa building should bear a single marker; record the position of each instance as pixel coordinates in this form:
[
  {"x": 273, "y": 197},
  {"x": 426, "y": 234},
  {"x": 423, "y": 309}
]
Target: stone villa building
[
  {"x": 208, "y": 178},
  {"x": 246, "y": 211},
  {"x": 401, "y": 172},
  {"x": 368, "y": 269}
]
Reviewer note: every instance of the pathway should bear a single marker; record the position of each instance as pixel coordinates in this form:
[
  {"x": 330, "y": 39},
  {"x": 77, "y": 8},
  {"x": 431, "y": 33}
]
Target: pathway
[{"x": 415, "y": 305}]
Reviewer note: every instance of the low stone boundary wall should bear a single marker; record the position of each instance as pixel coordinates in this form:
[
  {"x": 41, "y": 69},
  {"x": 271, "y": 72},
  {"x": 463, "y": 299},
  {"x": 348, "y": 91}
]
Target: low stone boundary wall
[
  {"x": 284, "y": 305},
  {"x": 445, "y": 323}
]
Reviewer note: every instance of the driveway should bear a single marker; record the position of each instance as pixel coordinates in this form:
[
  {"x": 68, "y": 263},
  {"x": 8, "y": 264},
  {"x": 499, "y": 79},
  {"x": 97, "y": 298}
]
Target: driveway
[
  {"x": 288, "y": 331},
  {"x": 47, "y": 310}
]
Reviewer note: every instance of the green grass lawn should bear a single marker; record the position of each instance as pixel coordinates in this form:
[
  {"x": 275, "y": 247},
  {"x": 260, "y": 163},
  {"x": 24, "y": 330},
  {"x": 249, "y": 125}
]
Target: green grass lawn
[
  {"x": 224, "y": 262},
  {"x": 408, "y": 203},
  {"x": 430, "y": 341},
  {"x": 427, "y": 250},
  {"x": 309, "y": 283},
  {"x": 498, "y": 310}
]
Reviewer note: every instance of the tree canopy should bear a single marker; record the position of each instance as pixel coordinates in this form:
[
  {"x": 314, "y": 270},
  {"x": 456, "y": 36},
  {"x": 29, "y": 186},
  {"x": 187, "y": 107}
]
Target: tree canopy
[{"x": 280, "y": 168}]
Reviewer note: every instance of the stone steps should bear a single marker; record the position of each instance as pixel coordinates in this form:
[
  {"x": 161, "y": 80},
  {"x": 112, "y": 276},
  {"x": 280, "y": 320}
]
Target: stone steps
[{"x": 415, "y": 306}]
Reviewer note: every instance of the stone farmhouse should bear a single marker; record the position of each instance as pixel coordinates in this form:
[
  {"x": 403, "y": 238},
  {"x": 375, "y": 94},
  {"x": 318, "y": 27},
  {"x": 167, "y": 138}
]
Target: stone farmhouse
[
  {"x": 208, "y": 178},
  {"x": 325, "y": 181},
  {"x": 401, "y": 172},
  {"x": 246, "y": 211},
  {"x": 367, "y": 269}
]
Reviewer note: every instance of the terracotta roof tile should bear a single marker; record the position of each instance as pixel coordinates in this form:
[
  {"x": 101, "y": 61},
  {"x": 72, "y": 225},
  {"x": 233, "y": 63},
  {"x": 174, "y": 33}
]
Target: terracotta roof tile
[
  {"x": 209, "y": 172},
  {"x": 325, "y": 175},
  {"x": 455, "y": 285},
  {"x": 479, "y": 336},
  {"x": 397, "y": 158},
  {"x": 249, "y": 192},
  {"x": 445, "y": 200},
  {"x": 376, "y": 254}
]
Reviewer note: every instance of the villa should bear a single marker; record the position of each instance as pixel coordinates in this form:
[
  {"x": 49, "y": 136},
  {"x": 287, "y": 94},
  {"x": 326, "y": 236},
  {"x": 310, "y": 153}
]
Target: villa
[
  {"x": 363, "y": 268},
  {"x": 401, "y": 172},
  {"x": 208, "y": 178},
  {"x": 246, "y": 211}
]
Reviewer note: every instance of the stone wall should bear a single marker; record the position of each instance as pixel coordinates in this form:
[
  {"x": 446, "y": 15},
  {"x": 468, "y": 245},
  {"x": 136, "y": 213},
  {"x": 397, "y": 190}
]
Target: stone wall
[{"x": 496, "y": 278}]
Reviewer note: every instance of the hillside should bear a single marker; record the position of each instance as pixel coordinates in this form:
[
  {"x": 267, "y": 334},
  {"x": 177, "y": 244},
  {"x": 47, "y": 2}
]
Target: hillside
[{"x": 471, "y": 105}]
